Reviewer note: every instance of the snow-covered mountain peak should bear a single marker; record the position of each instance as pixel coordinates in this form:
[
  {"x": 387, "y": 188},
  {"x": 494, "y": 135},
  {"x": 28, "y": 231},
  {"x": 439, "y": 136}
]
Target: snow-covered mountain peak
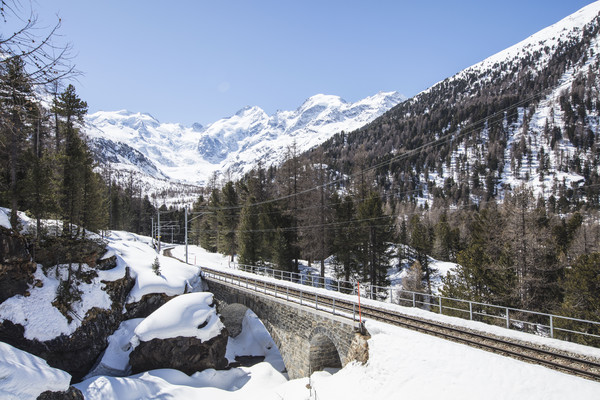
[
  {"x": 322, "y": 100},
  {"x": 123, "y": 118},
  {"x": 234, "y": 144},
  {"x": 542, "y": 44}
]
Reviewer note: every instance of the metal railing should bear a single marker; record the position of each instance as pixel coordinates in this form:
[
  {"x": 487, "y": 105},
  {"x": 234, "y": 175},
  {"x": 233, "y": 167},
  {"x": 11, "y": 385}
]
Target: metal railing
[{"x": 542, "y": 324}]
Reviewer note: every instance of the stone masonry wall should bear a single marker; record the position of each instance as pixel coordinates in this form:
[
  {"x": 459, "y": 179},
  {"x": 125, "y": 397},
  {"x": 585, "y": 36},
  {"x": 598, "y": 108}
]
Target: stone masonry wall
[{"x": 295, "y": 329}]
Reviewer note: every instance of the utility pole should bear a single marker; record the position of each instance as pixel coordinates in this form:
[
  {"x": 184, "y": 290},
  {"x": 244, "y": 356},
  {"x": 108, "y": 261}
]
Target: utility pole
[
  {"x": 186, "y": 238},
  {"x": 158, "y": 213}
]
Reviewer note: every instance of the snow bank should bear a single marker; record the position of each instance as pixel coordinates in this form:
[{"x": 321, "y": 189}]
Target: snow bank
[
  {"x": 408, "y": 364},
  {"x": 43, "y": 321},
  {"x": 25, "y": 376},
  {"x": 188, "y": 315},
  {"x": 136, "y": 252},
  {"x": 257, "y": 382}
]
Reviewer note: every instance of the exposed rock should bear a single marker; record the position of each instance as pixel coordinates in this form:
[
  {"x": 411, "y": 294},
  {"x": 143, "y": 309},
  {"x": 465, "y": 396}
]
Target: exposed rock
[
  {"x": 104, "y": 264},
  {"x": 77, "y": 352},
  {"x": 63, "y": 250},
  {"x": 187, "y": 354},
  {"x": 16, "y": 268},
  {"x": 232, "y": 316},
  {"x": 72, "y": 394},
  {"x": 359, "y": 349},
  {"x": 146, "y": 306}
]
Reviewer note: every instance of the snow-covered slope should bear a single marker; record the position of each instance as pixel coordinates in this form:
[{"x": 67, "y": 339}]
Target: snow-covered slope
[
  {"x": 526, "y": 116},
  {"x": 137, "y": 141}
]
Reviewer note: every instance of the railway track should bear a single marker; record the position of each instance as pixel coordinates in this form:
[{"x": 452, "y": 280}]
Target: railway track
[{"x": 559, "y": 360}]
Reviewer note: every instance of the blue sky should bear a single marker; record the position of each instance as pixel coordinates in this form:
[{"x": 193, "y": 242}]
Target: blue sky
[{"x": 197, "y": 61}]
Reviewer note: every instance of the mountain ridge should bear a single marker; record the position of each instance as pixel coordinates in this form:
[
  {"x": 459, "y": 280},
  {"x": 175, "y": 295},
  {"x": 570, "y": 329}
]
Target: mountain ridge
[
  {"x": 230, "y": 145},
  {"x": 527, "y": 115}
]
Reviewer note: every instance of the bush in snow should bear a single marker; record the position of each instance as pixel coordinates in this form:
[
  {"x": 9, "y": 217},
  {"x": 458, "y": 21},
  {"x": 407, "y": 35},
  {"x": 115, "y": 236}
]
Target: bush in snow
[{"x": 156, "y": 266}]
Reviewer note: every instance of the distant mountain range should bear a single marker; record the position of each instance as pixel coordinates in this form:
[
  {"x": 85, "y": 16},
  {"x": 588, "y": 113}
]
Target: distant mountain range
[{"x": 137, "y": 142}]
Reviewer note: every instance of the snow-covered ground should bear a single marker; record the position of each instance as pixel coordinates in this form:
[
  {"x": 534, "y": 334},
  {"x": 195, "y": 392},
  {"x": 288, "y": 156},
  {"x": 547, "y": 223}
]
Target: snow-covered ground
[
  {"x": 25, "y": 376},
  {"x": 402, "y": 363}
]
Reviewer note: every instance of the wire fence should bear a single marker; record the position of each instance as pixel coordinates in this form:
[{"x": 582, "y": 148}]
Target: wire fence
[{"x": 542, "y": 324}]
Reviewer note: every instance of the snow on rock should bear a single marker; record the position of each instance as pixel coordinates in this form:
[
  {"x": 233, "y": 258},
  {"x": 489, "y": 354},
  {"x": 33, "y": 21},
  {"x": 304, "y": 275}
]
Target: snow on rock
[
  {"x": 184, "y": 334},
  {"x": 188, "y": 315},
  {"x": 257, "y": 382},
  {"x": 25, "y": 376},
  {"x": 43, "y": 321},
  {"x": 136, "y": 252},
  {"x": 254, "y": 340}
]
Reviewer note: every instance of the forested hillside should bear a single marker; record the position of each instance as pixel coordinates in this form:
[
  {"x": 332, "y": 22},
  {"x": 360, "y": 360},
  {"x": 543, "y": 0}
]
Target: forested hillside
[
  {"x": 528, "y": 115},
  {"x": 496, "y": 168}
]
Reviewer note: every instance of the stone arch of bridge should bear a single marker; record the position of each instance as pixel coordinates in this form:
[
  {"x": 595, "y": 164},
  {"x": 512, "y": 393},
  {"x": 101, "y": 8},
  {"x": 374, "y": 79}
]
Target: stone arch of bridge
[
  {"x": 233, "y": 316},
  {"x": 323, "y": 351}
]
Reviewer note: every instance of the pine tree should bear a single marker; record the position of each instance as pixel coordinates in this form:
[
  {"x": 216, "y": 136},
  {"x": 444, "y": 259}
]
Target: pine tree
[
  {"x": 582, "y": 296},
  {"x": 377, "y": 234},
  {"x": 228, "y": 215},
  {"x": 345, "y": 234},
  {"x": 484, "y": 272},
  {"x": 16, "y": 108},
  {"x": 420, "y": 241},
  {"x": 209, "y": 228},
  {"x": 156, "y": 266},
  {"x": 249, "y": 239},
  {"x": 72, "y": 109}
]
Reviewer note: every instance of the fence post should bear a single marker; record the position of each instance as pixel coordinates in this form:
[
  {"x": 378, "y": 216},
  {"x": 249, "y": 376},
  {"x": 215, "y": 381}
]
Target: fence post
[
  {"x": 440, "y": 304},
  {"x": 391, "y": 302},
  {"x": 334, "y": 306},
  {"x": 507, "y": 319},
  {"x": 414, "y": 300},
  {"x": 551, "y": 327},
  {"x": 471, "y": 311}
]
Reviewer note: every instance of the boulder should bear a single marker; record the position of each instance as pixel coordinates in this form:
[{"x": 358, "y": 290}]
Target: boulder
[
  {"x": 185, "y": 334},
  {"x": 147, "y": 305},
  {"x": 72, "y": 394},
  {"x": 186, "y": 354}
]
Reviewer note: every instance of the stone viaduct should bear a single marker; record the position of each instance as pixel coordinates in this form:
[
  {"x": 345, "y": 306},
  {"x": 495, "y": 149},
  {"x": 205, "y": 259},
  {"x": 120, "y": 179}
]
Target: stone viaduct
[{"x": 308, "y": 339}]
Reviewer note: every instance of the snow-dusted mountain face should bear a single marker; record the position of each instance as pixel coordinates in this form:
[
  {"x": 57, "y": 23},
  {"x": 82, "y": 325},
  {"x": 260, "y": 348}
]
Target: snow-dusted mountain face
[
  {"x": 528, "y": 115},
  {"x": 232, "y": 146}
]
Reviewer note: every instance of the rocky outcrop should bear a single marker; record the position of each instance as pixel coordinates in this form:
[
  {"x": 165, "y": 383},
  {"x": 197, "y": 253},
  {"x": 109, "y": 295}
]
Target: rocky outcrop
[
  {"x": 72, "y": 394},
  {"x": 359, "y": 348},
  {"x": 77, "y": 352},
  {"x": 16, "y": 267},
  {"x": 186, "y": 354},
  {"x": 146, "y": 306}
]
